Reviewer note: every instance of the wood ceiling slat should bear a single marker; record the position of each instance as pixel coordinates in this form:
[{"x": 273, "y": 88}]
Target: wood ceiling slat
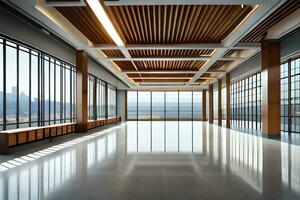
[
  {"x": 257, "y": 34},
  {"x": 170, "y": 53},
  {"x": 85, "y": 21},
  {"x": 113, "y": 53},
  {"x": 160, "y": 80}
]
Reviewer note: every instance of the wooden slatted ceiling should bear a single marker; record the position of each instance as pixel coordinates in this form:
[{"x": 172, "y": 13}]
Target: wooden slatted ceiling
[
  {"x": 86, "y": 22},
  {"x": 170, "y": 53},
  {"x": 161, "y": 80},
  {"x": 167, "y": 24},
  {"x": 169, "y": 65},
  {"x": 113, "y": 53},
  {"x": 219, "y": 64},
  {"x": 258, "y": 33},
  {"x": 125, "y": 65},
  {"x": 187, "y": 75}
]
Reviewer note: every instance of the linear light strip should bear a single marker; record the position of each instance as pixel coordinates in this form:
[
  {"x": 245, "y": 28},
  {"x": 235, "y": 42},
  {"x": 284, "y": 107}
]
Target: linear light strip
[{"x": 103, "y": 18}]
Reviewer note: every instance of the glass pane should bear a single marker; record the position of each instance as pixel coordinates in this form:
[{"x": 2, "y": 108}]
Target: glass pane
[
  {"x": 172, "y": 105},
  {"x": 46, "y": 90},
  {"x": 144, "y": 105},
  {"x": 34, "y": 89},
  {"x": 158, "y": 105},
  {"x": 58, "y": 92},
  {"x": 52, "y": 95},
  {"x": 132, "y": 105},
  {"x": 185, "y": 105},
  {"x": 24, "y": 88},
  {"x": 197, "y": 105},
  {"x": 11, "y": 87}
]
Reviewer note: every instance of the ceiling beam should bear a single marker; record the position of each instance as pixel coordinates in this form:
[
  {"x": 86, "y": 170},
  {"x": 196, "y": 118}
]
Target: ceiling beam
[
  {"x": 256, "y": 16},
  {"x": 200, "y": 58},
  {"x": 160, "y": 78},
  {"x": 254, "y": 46},
  {"x": 63, "y": 3},
  {"x": 183, "y": 2},
  {"x": 160, "y": 72}
]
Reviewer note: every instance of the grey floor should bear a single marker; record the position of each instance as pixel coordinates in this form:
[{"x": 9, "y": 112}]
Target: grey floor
[{"x": 156, "y": 160}]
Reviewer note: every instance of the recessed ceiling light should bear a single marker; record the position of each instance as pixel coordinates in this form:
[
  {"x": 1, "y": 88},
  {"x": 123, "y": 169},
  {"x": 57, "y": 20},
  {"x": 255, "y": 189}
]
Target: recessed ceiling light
[{"x": 106, "y": 23}]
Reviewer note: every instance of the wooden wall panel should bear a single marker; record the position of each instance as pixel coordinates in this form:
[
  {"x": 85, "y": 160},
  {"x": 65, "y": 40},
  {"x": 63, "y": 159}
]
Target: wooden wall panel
[
  {"x": 211, "y": 104},
  {"x": 228, "y": 108},
  {"x": 219, "y": 102}
]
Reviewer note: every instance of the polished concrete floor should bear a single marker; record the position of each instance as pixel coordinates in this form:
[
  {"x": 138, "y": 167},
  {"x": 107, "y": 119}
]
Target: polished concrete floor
[{"x": 157, "y": 160}]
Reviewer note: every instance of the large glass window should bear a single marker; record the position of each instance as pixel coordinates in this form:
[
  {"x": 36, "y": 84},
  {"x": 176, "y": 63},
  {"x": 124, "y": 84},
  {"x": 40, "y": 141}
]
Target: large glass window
[
  {"x": 102, "y": 99},
  {"x": 295, "y": 95},
  {"x": 160, "y": 105},
  {"x": 185, "y": 105},
  {"x": 197, "y": 105},
  {"x": 290, "y": 96},
  {"x": 144, "y": 105},
  {"x": 223, "y": 106},
  {"x": 215, "y": 103},
  {"x": 34, "y": 91},
  {"x": 172, "y": 111},
  {"x": 111, "y": 101},
  {"x": 132, "y": 105},
  {"x": 246, "y": 103}
]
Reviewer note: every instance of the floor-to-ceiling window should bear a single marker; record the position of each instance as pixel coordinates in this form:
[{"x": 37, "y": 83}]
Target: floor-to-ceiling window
[
  {"x": 215, "y": 104},
  {"x": 144, "y": 105},
  {"x": 197, "y": 105},
  {"x": 112, "y": 101},
  {"x": 164, "y": 105},
  {"x": 172, "y": 111},
  {"x": 246, "y": 103},
  {"x": 132, "y": 105},
  {"x": 158, "y": 105},
  {"x": 290, "y": 96},
  {"x": 102, "y": 99},
  {"x": 223, "y": 106},
  {"x": 35, "y": 87}
]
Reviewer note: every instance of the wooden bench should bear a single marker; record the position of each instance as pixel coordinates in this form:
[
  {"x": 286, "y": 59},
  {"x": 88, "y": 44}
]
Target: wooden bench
[
  {"x": 10, "y": 138},
  {"x": 102, "y": 122}
]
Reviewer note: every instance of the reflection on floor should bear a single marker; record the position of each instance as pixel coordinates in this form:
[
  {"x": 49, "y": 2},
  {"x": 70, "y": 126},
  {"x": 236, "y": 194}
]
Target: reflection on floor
[{"x": 158, "y": 160}]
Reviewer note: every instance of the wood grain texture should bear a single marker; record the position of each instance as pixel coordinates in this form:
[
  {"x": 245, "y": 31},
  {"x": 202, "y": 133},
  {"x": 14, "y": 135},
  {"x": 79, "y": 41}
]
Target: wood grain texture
[
  {"x": 270, "y": 78},
  {"x": 258, "y": 33},
  {"x": 82, "y": 91}
]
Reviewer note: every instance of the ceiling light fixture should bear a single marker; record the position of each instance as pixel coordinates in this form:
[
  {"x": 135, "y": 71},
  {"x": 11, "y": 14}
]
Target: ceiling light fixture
[
  {"x": 106, "y": 23},
  {"x": 242, "y": 5}
]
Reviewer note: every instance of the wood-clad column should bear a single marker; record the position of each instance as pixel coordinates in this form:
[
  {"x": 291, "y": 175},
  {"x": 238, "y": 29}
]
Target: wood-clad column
[
  {"x": 211, "y": 104},
  {"x": 270, "y": 79},
  {"x": 219, "y": 102},
  {"x": 204, "y": 105},
  {"x": 82, "y": 91},
  {"x": 228, "y": 100}
]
